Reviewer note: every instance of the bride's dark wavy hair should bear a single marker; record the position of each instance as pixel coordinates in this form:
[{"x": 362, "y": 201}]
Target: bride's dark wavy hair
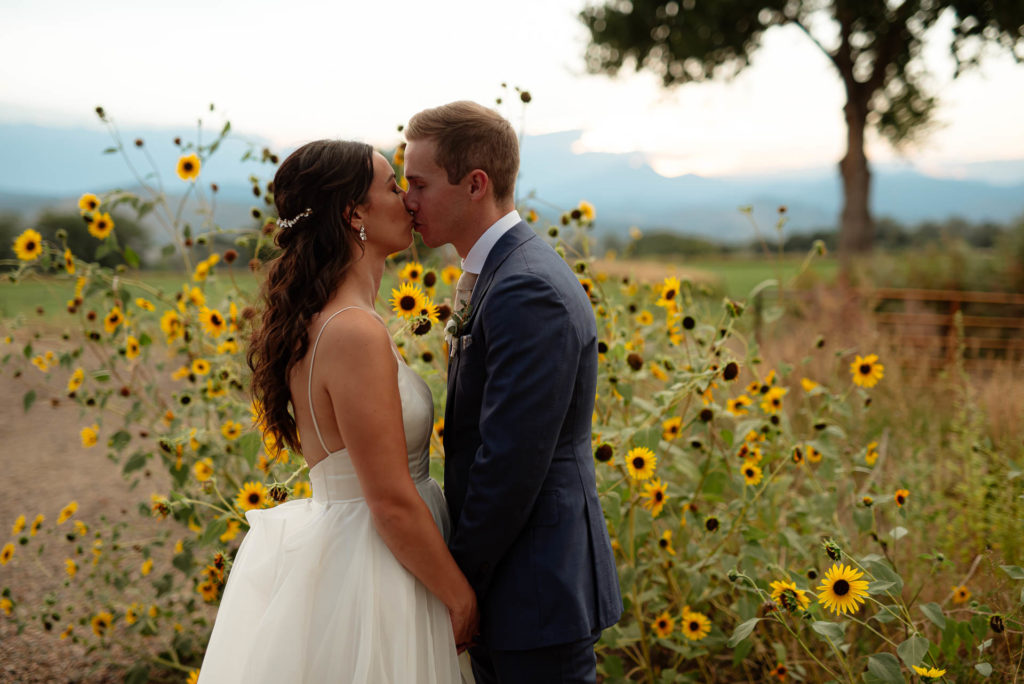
[{"x": 329, "y": 177}]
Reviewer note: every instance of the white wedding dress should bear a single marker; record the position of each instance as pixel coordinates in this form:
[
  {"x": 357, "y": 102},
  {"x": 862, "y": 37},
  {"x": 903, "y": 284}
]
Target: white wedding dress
[{"x": 316, "y": 596}]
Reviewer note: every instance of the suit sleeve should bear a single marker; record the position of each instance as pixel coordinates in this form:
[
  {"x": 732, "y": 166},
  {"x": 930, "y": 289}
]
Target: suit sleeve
[{"x": 531, "y": 362}]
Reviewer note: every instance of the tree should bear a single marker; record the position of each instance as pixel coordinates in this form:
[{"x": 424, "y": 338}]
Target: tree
[{"x": 874, "y": 45}]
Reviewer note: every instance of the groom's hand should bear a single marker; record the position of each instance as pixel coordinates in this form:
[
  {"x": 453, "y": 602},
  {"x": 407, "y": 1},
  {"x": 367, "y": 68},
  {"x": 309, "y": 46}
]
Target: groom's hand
[{"x": 465, "y": 619}]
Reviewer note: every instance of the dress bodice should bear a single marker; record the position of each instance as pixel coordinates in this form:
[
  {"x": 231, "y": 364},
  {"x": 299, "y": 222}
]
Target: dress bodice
[{"x": 334, "y": 478}]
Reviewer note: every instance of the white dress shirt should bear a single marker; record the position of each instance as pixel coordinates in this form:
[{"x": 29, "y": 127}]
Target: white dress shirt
[{"x": 474, "y": 261}]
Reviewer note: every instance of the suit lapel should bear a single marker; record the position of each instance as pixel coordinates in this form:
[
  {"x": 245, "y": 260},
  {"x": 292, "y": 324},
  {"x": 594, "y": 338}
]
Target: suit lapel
[{"x": 503, "y": 248}]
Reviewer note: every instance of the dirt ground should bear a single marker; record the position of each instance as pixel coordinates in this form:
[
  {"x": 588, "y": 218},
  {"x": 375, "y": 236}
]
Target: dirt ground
[{"x": 44, "y": 467}]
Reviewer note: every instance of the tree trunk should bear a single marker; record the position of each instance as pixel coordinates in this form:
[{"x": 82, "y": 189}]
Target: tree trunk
[{"x": 856, "y": 227}]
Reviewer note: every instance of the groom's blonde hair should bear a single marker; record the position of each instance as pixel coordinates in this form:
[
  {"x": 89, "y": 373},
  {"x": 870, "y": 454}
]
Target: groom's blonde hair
[{"x": 470, "y": 136}]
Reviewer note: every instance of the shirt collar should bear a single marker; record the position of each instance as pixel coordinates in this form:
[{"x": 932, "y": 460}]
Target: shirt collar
[{"x": 474, "y": 261}]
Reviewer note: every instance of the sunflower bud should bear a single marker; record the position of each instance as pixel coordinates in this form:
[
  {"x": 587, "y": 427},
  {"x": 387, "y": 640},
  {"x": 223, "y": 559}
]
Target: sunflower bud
[
  {"x": 733, "y": 575},
  {"x": 279, "y": 493},
  {"x": 731, "y": 370},
  {"x": 832, "y": 550},
  {"x": 734, "y": 308},
  {"x": 996, "y": 623},
  {"x": 635, "y": 361},
  {"x": 604, "y": 452},
  {"x": 230, "y": 256}
]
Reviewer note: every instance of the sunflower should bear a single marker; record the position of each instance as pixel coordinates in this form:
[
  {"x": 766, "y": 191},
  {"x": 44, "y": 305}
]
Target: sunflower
[
  {"x": 712, "y": 524},
  {"x": 231, "y": 430},
  {"x": 231, "y": 532},
  {"x": 930, "y": 672},
  {"x": 751, "y": 473},
  {"x": 144, "y": 304},
  {"x": 842, "y": 590},
  {"x": 36, "y": 524},
  {"x": 663, "y": 625},
  {"x": 69, "y": 261},
  {"x": 670, "y": 428},
  {"x": 101, "y": 623},
  {"x": 645, "y": 317},
  {"x": 40, "y": 363},
  {"x": 669, "y": 294},
  {"x": 90, "y": 435},
  {"x": 412, "y": 271},
  {"x": 171, "y": 325},
  {"x": 640, "y": 463},
  {"x": 202, "y": 272},
  {"x": 302, "y": 490},
  {"x": 208, "y": 589},
  {"x": 76, "y": 379},
  {"x": 738, "y": 406},
  {"x": 408, "y": 300},
  {"x": 68, "y": 631},
  {"x": 70, "y": 567},
  {"x": 429, "y": 310},
  {"x": 780, "y": 671},
  {"x": 147, "y": 567},
  {"x": 188, "y": 167},
  {"x": 654, "y": 495},
  {"x": 665, "y": 542},
  {"x": 813, "y": 455},
  {"x": 7, "y": 605},
  {"x": 696, "y": 625},
  {"x": 783, "y": 591},
  {"x": 871, "y": 453},
  {"x": 807, "y": 384},
  {"x": 193, "y": 676},
  {"x": 450, "y": 275},
  {"x": 131, "y": 614},
  {"x": 200, "y": 366},
  {"x": 29, "y": 245},
  {"x": 100, "y": 226},
  {"x": 113, "y": 319},
  {"x": 658, "y": 372},
  {"x": 193, "y": 296},
  {"x": 867, "y": 371},
  {"x": 131, "y": 348},
  {"x": 901, "y": 497},
  {"x": 252, "y": 495},
  {"x": 88, "y": 202},
  {"x": 772, "y": 401},
  {"x": 67, "y": 512},
  {"x": 749, "y": 453},
  {"x": 19, "y": 525},
  {"x": 6, "y": 553},
  {"x": 586, "y": 210},
  {"x": 212, "y": 321},
  {"x": 228, "y": 346},
  {"x": 203, "y": 469},
  {"x": 961, "y": 594}
]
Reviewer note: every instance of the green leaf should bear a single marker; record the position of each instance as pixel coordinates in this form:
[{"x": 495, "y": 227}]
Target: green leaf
[
  {"x": 880, "y": 587},
  {"x": 833, "y": 631},
  {"x": 933, "y": 611},
  {"x": 886, "y": 668},
  {"x": 163, "y": 585},
  {"x": 28, "y": 399},
  {"x": 110, "y": 150},
  {"x": 913, "y": 650},
  {"x": 863, "y": 518},
  {"x": 130, "y": 257},
  {"x": 137, "y": 461},
  {"x": 742, "y": 631},
  {"x": 883, "y": 573},
  {"x": 1014, "y": 571},
  {"x": 119, "y": 440},
  {"x": 887, "y": 614},
  {"x": 137, "y": 675},
  {"x": 213, "y": 531},
  {"x": 984, "y": 669},
  {"x": 249, "y": 446}
]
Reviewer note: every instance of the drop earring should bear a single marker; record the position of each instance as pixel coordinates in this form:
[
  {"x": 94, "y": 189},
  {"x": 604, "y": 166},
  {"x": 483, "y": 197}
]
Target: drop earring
[{"x": 362, "y": 233}]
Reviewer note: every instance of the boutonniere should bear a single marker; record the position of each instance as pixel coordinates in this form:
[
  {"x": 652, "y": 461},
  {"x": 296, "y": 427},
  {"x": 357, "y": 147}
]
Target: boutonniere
[{"x": 457, "y": 324}]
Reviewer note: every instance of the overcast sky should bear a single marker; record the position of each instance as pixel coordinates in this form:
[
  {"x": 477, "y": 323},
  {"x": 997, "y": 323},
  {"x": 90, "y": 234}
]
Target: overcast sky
[{"x": 306, "y": 70}]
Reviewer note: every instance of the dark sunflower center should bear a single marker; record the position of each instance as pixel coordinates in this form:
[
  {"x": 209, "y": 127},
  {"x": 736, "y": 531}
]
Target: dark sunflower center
[
  {"x": 841, "y": 588},
  {"x": 658, "y": 496},
  {"x": 254, "y": 498},
  {"x": 187, "y": 166},
  {"x": 900, "y": 499},
  {"x": 215, "y": 319},
  {"x": 639, "y": 463},
  {"x": 407, "y": 303},
  {"x": 30, "y": 245},
  {"x": 865, "y": 369},
  {"x": 663, "y": 624},
  {"x": 694, "y": 626},
  {"x": 670, "y": 294},
  {"x": 749, "y": 472},
  {"x": 663, "y": 543},
  {"x": 414, "y": 274},
  {"x": 776, "y": 402}
]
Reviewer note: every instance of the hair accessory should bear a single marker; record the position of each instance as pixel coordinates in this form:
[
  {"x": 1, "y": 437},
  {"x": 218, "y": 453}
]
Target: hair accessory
[
  {"x": 288, "y": 223},
  {"x": 362, "y": 233}
]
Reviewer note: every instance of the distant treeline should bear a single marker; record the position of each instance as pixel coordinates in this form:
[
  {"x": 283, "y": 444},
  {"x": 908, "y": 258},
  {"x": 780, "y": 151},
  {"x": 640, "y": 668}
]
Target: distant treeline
[{"x": 890, "y": 235}]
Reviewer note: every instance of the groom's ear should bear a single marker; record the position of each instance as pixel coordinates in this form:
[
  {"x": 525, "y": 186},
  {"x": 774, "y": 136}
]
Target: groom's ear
[{"x": 478, "y": 183}]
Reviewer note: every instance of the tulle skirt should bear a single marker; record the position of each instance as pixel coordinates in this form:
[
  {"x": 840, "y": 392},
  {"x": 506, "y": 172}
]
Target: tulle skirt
[{"x": 316, "y": 596}]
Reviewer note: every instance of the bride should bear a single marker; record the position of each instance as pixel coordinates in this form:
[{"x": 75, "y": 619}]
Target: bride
[{"x": 355, "y": 584}]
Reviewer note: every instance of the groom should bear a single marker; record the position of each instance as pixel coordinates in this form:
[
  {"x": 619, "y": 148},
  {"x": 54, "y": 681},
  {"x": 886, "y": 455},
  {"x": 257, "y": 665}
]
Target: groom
[{"x": 527, "y": 526}]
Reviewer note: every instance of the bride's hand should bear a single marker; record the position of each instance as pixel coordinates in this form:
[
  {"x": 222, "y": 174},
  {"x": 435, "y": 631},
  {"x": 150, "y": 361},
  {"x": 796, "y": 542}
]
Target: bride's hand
[{"x": 465, "y": 619}]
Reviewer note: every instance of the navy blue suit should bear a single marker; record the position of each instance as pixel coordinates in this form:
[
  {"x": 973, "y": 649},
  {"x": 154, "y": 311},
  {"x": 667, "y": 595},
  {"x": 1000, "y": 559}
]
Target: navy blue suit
[{"x": 527, "y": 526}]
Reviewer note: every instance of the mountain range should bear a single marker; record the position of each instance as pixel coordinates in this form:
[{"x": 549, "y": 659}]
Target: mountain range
[{"x": 50, "y": 167}]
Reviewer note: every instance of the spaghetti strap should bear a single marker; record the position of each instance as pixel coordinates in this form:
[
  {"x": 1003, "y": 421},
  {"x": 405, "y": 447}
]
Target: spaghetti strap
[{"x": 312, "y": 357}]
